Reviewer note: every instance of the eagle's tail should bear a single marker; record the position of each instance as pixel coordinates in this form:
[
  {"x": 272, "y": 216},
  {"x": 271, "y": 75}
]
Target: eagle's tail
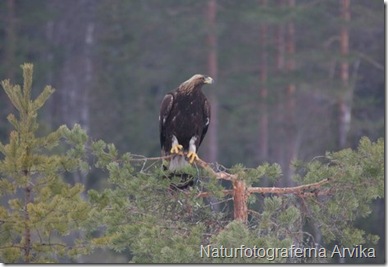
[
  {"x": 175, "y": 166},
  {"x": 177, "y": 162}
]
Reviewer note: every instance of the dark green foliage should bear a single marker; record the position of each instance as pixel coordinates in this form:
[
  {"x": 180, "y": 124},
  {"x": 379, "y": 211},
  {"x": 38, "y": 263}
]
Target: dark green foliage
[
  {"x": 142, "y": 215},
  {"x": 237, "y": 234},
  {"x": 357, "y": 180},
  {"x": 149, "y": 222},
  {"x": 252, "y": 175}
]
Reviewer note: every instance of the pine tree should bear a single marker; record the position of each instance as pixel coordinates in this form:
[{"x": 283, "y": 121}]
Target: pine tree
[
  {"x": 151, "y": 224},
  {"x": 41, "y": 215}
]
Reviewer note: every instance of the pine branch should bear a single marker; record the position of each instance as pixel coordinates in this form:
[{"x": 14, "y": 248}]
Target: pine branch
[
  {"x": 298, "y": 190},
  {"x": 302, "y": 190}
]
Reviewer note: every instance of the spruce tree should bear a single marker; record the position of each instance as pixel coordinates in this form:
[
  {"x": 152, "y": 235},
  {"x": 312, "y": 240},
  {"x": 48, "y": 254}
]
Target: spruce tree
[{"x": 41, "y": 215}]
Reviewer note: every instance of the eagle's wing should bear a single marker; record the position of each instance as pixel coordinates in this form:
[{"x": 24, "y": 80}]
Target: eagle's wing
[
  {"x": 206, "y": 111},
  {"x": 165, "y": 110}
]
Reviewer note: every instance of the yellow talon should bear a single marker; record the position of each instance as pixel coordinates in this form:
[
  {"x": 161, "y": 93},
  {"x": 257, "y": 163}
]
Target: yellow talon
[
  {"x": 176, "y": 148},
  {"x": 192, "y": 157}
]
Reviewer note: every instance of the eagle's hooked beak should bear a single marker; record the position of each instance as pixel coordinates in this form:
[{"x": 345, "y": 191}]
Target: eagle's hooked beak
[{"x": 208, "y": 80}]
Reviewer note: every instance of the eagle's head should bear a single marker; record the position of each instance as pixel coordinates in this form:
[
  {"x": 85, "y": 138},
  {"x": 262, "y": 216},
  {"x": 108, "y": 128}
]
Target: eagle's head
[{"x": 195, "y": 82}]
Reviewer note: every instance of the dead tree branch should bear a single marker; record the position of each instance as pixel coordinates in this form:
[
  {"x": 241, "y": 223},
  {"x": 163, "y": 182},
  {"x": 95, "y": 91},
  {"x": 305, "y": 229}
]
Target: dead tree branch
[{"x": 298, "y": 190}]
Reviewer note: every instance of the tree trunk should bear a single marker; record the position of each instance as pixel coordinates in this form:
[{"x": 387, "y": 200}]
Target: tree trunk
[
  {"x": 27, "y": 229},
  {"x": 278, "y": 136},
  {"x": 212, "y": 66},
  {"x": 73, "y": 32},
  {"x": 344, "y": 106},
  {"x": 212, "y": 144},
  {"x": 75, "y": 77},
  {"x": 263, "y": 93},
  {"x": 240, "y": 198},
  {"x": 289, "y": 123}
]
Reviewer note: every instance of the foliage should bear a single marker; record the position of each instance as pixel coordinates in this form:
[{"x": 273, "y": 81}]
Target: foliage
[
  {"x": 143, "y": 216},
  {"x": 152, "y": 224},
  {"x": 357, "y": 180},
  {"x": 41, "y": 215},
  {"x": 138, "y": 214}
]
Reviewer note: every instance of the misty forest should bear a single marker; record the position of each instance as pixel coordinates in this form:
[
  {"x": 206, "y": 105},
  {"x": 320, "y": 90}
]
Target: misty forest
[{"x": 292, "y": 162}]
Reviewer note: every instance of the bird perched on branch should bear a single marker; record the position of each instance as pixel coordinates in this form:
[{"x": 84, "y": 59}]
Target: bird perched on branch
[{"x": 183, "y": 122}]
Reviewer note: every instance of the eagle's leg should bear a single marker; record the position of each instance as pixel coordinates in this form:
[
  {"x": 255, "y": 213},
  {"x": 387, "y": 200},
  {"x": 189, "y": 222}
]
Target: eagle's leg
[
  {"x": 192, "y": 155},
  {"x": 176, "y": 147}
]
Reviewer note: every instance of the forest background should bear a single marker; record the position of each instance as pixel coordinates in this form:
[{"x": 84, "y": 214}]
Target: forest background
[{"x": 293, "y": 78}]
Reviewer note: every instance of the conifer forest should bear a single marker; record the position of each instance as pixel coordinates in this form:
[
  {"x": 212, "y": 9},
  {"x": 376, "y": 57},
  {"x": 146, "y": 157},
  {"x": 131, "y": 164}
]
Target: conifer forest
[{"x": 291, "y": 169}]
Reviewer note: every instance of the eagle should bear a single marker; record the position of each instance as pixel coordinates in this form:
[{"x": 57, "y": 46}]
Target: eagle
[{"x": 183, "y": 122}]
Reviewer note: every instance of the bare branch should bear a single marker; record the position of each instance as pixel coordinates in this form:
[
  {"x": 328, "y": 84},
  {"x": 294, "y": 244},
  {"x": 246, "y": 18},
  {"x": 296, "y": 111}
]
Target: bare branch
[
  {"x": 207, "y": 194},
  {"x": 288, "y": 190},
  {"x": 370, "y": 60},
  {"x": 219, "y": 175}
]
